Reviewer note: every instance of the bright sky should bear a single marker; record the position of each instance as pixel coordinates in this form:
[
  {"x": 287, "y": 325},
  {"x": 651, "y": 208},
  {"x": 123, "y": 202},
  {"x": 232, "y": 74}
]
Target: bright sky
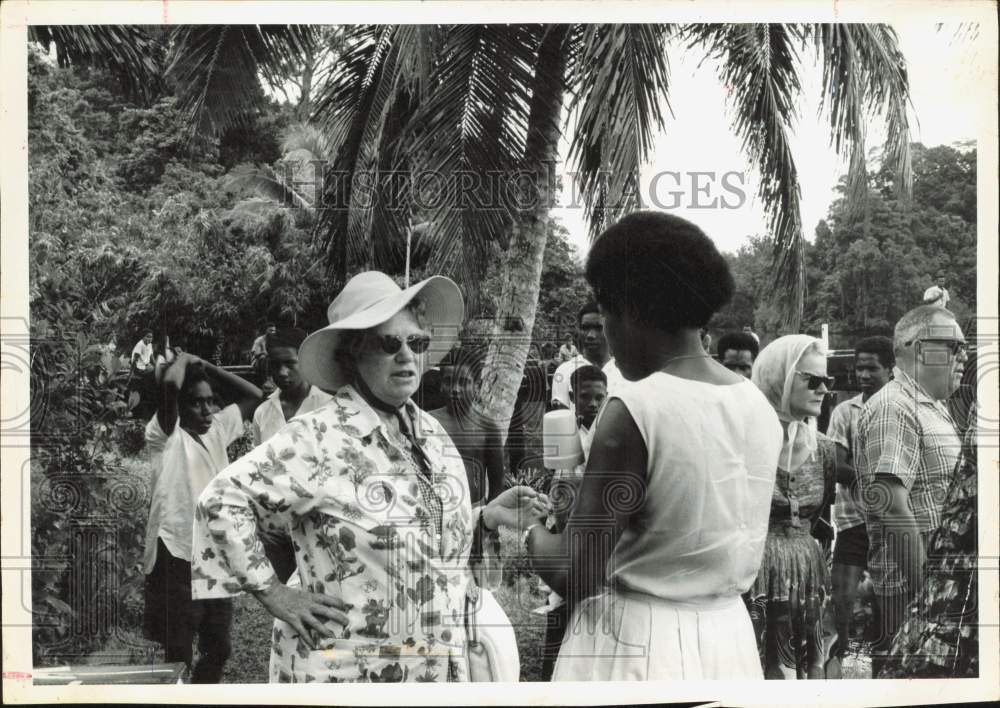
[{"x": 946, "y": 75}]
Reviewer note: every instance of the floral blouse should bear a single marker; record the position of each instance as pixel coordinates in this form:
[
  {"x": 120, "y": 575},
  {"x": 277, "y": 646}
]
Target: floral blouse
[
  {"x": 799, "y": 496},
  {"x": 361, "y": 531}
]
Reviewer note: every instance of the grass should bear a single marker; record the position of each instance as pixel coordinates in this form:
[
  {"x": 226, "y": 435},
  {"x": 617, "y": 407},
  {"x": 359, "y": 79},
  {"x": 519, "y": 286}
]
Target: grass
[{"x": 251, "y": 633}]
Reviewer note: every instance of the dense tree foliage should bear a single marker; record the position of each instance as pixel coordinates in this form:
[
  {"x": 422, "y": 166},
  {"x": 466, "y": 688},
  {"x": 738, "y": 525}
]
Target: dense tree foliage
[{"x": 871, "y": 261}]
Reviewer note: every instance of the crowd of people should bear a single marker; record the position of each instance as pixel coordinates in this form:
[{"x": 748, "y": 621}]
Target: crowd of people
[{"x": 684, "y": 546}]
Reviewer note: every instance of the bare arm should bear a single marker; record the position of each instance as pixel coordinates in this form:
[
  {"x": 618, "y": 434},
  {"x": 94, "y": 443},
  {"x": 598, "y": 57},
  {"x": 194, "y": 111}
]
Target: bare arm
[
  {"x": 247, "y": 396},
  {"x": 845, "y": 472},
  {"x": 574, "y": 562},
  {"x": 900, "y": 531},
  {"x": 173, "y": 379}
]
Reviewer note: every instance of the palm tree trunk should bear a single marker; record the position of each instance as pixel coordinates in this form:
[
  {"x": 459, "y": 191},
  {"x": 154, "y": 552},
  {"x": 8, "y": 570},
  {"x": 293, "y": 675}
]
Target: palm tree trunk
[
  {"x": 304, "y": 108},
  {"x": 515, "y": 318}
]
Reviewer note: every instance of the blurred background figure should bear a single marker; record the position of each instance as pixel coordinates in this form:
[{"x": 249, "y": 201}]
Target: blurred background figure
[
  {"x": 937, "y": 294},
  {"x": 737, "y": 352}
]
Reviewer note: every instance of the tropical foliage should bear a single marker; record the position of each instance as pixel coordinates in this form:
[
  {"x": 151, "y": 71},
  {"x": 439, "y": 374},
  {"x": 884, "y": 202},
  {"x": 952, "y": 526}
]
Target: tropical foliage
[
  {"x": 419, "y": 118},
  {"x": 871, "y": 261}
]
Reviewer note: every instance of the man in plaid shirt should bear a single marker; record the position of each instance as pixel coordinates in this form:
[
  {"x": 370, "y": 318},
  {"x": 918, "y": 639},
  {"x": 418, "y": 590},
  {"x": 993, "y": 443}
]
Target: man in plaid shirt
[{"x": 906, "y": 448}]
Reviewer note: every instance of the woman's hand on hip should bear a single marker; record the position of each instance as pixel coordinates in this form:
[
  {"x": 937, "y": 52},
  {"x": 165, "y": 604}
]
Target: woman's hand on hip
[
  {"x": 517, "y": 508},
  {"x": 307, "y": 612}
]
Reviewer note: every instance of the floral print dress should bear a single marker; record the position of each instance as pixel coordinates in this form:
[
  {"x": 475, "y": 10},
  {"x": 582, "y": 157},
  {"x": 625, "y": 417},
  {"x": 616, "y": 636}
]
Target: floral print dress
[
  {"x": 369, "y": 526},
  {"x": 792, "y": 609}
]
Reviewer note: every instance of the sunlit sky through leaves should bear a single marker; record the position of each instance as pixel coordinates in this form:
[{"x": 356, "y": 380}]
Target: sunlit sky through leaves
[{"x": 948, "y": 74}]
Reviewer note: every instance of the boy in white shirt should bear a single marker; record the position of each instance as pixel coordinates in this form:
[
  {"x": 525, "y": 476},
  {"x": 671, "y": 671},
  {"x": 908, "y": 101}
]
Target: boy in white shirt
[
  {"x": 189, "y": 444},
  {"x": 293, "y": 396}
]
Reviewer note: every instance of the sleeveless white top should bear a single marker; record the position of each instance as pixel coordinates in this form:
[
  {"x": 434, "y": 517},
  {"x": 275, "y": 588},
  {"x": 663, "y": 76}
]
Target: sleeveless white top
[{"x": 713, "y": 451}]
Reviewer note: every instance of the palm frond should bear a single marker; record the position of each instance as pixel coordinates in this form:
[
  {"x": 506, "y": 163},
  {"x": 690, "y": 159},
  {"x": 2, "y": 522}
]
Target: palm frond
[
  {"x": 468, "y": 136},
  {"x": 266, "y": 183},
  {"x": 757, "y": 62},
  {"x": 864, "y": 73},
  {"x": 304, "y": 136},
  {"x": 353, "y": 106},
  {"x": 218, "y": 68},
  {"x": 619, "y": 80},
  {"x": 129, "y": 52}
]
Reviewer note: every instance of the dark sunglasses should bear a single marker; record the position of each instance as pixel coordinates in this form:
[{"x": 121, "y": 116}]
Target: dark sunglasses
[
  {"x": 391, "y": 344},
  {"x": 814, "y": 381},
  {"x": 954, "y": 345}
]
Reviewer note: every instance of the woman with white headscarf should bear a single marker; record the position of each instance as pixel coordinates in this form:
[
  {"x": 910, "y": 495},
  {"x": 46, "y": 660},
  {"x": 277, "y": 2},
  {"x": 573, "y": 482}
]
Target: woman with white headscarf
[{"x": 791, "y": 606}]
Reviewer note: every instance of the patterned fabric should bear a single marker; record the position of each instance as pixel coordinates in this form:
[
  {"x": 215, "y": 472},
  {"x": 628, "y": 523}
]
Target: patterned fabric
[
  {"x": 791, "y": 608},
  {"x": 940, "y": 638},
  {"x": 846, "y": 506},
  {"x": 361, "y": 531},
  {"x": 902, "y": 432}
]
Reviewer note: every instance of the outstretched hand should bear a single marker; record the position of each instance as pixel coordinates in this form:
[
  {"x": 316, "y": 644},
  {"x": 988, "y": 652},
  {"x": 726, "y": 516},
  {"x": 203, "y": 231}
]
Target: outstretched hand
[
  {"x": 306, "y": 612},
  {"x": 517, "y": 508}
]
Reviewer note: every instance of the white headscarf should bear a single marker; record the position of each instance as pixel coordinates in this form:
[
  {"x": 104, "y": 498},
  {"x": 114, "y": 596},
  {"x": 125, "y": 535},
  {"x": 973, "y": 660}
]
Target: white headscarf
[{"x": 774, "y": 373}]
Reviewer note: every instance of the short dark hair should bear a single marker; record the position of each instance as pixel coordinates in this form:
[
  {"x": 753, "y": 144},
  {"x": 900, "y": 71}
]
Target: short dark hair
[
  {"x": 193, "y": 374},
  {"x": 738, "y": 341},
  {"x": 585, "y": 374},
  {"x": 291, "y": 338},
  {"x": 590, "y": 308},
  {"x": 660, "y": 268},
  {"x": 880, "y": 347}
]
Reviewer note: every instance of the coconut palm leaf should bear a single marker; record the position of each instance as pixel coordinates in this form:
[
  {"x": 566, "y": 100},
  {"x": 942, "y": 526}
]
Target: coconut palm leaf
[
  {"x": 863, "y": 73},
  {"x": 267, "y": 184},
  {"x": 353, "y": 106},
  {"x": 217, "y": 68},
  {"x": 467, "y": 134},
  {"x": 129, "y": 52},
  {"x": 618, "y": 76},
  {"x": 305, "y": 136},
  {"x": 758, "y": 64}
]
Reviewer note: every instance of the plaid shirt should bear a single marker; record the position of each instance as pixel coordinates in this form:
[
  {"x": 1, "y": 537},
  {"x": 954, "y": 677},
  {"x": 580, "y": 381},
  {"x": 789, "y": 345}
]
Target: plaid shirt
[
  {"x": 844, "y": 419},
  {"x": 904, "y": 433}
]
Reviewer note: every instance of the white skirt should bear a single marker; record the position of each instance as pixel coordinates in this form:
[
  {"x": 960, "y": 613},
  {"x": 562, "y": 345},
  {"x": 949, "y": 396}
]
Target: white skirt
[{"x": 630, "y": 636}]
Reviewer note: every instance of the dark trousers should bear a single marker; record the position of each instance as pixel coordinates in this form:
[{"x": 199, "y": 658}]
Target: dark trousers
[
  {"x": 889, "y": 614},
  {"x": 172, "y": 618}
]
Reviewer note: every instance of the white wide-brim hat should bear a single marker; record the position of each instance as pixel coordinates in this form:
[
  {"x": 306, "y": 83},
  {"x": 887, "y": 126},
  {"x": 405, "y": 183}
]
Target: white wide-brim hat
[{"x": 368, "y": 300}]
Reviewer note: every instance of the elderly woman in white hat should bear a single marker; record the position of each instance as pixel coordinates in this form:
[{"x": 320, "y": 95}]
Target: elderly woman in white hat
[{"x": 376, "y": 498}]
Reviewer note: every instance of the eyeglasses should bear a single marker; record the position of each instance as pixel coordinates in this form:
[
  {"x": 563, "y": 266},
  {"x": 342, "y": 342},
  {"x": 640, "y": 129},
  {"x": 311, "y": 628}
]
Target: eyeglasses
[
  {"x": 391, "y": 344},
  {"x": 954, "y": 345},
  {"x": 815, "y": 381}
]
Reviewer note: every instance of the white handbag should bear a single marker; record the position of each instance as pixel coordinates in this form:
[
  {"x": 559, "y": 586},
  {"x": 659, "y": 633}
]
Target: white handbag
[{"x": 492, "y": 645}]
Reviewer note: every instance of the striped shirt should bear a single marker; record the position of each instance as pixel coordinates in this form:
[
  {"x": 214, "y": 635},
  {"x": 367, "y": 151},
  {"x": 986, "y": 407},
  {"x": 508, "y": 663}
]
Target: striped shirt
[
  {"x": 846, "y": 508},
  {"x": 902, "y": 432}
]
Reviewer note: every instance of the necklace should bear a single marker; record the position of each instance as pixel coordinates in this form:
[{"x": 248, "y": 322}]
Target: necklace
[{"x": 684, "y": 356}]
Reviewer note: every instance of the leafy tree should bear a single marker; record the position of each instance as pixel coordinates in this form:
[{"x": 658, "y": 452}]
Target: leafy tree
[
  {"x": 872, "y": 263},
  {"x": 472, "y": 99}
]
